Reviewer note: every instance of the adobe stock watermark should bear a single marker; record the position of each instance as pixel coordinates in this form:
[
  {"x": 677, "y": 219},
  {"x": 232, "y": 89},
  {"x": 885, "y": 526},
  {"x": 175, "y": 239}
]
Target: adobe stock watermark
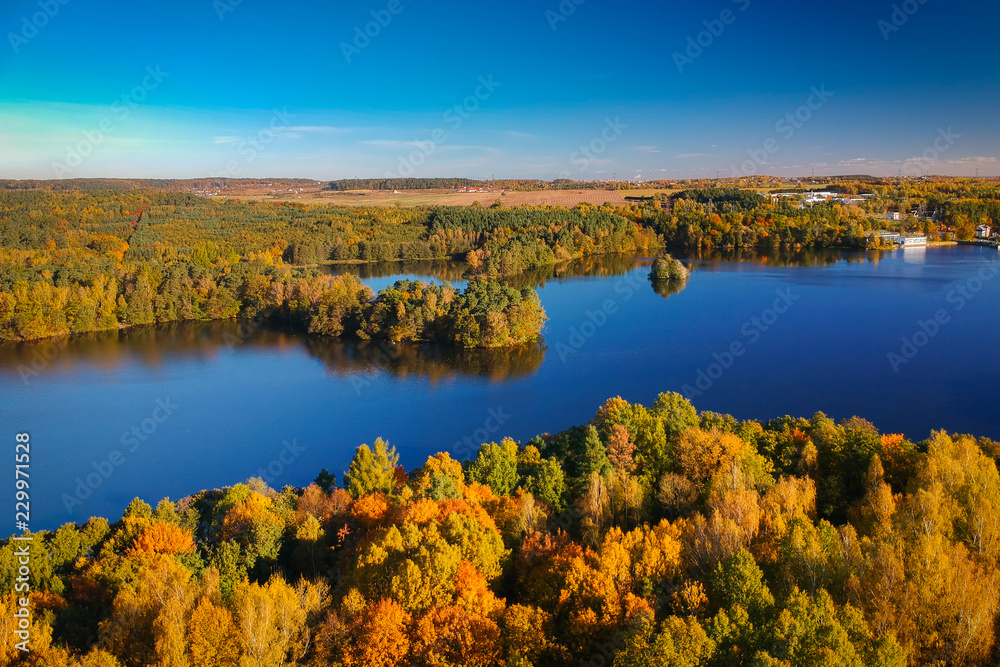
[
  {"x": 920, "y": 165},
  {"x": 454, "y": 117},
  {"x": 363, "y": 36},
  {"x": 752, "y": 331},
  {"x": 131, "y": 441},
  {"x": 562, "y": 13},
  {"x": 223, "y": 7},
  {"x": 467, "y": 447},
  {"x": 30, "y": 25},
  {"x": 290, "y": 452},
  {"x": 22, "y": 587},
  {"x": 698, "y": 44},
  {"x": 899, "y": 17},
  {"x": 255, "y": 144},
  {"x": 245, "y": 329},
  {"x": 926, "y": 330},
  {"x": 589, "y": 154},
  {"x": 786, "y": 127},
  {"x": 121, "y": 109},
  {"x": 42, "y": 356},
  {"x": 595, "y": 320}
]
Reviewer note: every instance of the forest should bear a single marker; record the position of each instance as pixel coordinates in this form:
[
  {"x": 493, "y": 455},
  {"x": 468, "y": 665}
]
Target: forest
[
  {"x": 90, "y": 259},
  {"x": 77, "y": 262},
  {"x": 648, "y": 536}
]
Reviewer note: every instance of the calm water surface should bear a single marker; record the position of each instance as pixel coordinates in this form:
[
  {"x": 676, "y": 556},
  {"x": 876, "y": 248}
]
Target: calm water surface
[{"x": 240, "y": 404}]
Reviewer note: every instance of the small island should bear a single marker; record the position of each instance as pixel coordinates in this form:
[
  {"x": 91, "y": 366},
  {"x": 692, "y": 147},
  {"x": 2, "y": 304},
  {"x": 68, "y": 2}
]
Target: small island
[
  {"x": 667, "y": 269},
  {"x": 668, "y": 276}
]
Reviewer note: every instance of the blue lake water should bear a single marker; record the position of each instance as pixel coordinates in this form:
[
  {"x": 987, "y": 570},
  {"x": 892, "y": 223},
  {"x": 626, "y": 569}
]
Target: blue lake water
[{"x": 205, "y": 405}]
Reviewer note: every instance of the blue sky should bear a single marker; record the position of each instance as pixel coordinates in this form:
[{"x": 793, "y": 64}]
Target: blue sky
[{"x": 192, "y": 88}]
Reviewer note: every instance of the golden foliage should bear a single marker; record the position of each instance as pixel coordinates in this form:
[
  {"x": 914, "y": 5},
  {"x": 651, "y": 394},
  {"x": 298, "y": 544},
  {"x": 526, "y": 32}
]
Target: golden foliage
[
  {"x": 452, "y": 637},
  {"x": 472, "y": 592},
  {"x": 701, "y": 453},
  {"x": 380, "y": 637},
  {"x": 212, "y": 635},
  {"x": 371, "y": 510},
  {"x": 163, "y": 538}
]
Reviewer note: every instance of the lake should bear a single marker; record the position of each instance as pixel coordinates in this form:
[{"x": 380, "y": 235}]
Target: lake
[{"x": 168, "y": 411}]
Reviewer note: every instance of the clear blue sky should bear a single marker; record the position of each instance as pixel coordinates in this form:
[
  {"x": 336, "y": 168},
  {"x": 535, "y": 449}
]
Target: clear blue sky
[{"x": 384, "y": 108}]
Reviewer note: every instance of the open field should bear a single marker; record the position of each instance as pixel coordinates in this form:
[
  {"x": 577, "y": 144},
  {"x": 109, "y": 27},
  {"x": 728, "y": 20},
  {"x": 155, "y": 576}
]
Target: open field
[
  {"x": 650, "y": 192},
  {"x": 567, "y": 198},
  {"x": 416, "y": 198}
]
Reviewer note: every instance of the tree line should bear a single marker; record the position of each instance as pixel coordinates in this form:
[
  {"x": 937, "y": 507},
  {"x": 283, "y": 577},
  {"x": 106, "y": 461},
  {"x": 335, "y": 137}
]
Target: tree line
[
  {"x": 85, "y": 260},
  {"x": 488, "y": 314}
]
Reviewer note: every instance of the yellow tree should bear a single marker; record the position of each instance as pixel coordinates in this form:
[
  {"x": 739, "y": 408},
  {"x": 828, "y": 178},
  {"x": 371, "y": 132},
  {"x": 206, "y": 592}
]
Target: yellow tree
[
  {"x": 379, "y": 637},
  {"x": 270, "y": 622},
  {"x": 212, "y": 635},
  {"x": 440, "y": 471},
  {"x": 163, "y": 538},
  {"x": 148, "y": 620},
  {"x": 700, "y": 454},
  {"x": 621, "y": 453},
  {"x": 473, "y": 594},
  {"x": 527, "y": 635},
  {"x": 452, "y": 637},
  {"x": 98, "y": 658}
]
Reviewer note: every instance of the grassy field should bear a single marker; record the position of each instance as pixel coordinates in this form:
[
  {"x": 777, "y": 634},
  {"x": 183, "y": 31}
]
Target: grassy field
[{"x": 417, "y": 198}]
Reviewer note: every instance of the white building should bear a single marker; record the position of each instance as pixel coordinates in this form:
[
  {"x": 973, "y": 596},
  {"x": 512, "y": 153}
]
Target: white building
[
  {"x": 908, "y": 241},
  {"x": 984, "y": 232}
]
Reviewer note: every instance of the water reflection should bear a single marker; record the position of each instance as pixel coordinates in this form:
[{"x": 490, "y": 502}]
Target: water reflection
[
  {"x": 110, "y": 350},
  {"x": 454, "y": 271},
  {"x": 667, "y": 288},
  {"x": 436, "y": 362},
  {"x": 439, "y": 269},
  {"x": 781, "y": 257},
  {"x": 612, "y": 265},
  {"x": 205, "y": 341},
  {"x": 587, "y": 267},
  {"x": 158, "y": 345}
]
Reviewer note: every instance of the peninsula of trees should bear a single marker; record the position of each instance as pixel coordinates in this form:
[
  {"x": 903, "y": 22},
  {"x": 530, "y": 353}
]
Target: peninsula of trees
[{"x": 649, "y": 536}]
